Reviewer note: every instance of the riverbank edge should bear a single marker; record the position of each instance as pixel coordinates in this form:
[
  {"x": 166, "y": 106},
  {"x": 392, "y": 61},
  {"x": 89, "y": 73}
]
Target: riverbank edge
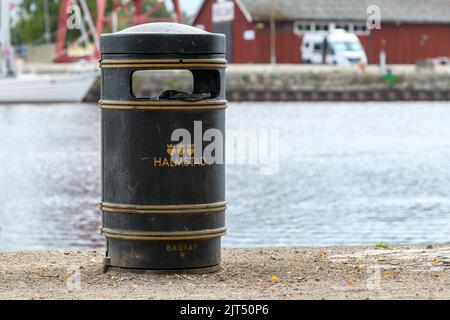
[
  {"x": 308, "y": 83},
  {"x": 341, "y": 272}
]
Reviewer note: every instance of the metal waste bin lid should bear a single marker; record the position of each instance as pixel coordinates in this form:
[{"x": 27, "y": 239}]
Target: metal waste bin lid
[{"x": 163, "y": 38}]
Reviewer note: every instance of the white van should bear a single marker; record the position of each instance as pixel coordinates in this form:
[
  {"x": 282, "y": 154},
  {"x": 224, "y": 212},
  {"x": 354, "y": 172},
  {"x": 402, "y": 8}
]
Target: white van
[{"x": 337, "y": 47}]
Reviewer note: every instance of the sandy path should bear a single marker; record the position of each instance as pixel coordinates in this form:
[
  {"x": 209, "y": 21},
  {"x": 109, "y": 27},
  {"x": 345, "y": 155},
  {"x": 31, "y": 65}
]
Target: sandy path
[{"x": 284, "y": 273}]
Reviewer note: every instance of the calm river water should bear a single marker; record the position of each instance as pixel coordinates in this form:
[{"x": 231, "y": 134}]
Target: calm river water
[{"x": 350, "y": 173}]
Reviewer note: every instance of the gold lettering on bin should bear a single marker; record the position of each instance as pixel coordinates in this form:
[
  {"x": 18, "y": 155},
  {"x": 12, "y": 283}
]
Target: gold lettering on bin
[
  {"x": 185, "y": 151},
  {"x": 181, "y": 248}
]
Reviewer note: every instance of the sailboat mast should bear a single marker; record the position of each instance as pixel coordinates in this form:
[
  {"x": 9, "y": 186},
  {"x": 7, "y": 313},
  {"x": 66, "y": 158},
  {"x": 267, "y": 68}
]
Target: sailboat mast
[
  {"x": 4, "y": 30},
  {"x": 7, "y": 52},
  {"x": 5, "y": 39},
  {"x": 4, "y": 33},
  {"x": 48, "y": 33}
]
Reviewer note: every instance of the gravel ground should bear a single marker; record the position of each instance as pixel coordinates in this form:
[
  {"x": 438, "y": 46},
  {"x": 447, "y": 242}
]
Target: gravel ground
[{"x": 399, "y": 272}]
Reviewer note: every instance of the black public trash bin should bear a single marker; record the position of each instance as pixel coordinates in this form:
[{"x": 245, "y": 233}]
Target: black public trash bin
[{"x": 160, "y": 214}]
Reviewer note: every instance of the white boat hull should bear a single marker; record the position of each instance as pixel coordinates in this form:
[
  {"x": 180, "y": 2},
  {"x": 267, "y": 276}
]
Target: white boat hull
[{"x": 46, "y": 87}]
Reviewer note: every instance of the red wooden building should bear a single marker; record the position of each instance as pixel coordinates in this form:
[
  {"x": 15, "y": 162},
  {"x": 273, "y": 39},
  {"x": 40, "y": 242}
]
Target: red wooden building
[{"x": 261, "y": 30}]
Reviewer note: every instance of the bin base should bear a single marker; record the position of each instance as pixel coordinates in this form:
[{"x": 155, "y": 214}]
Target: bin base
[{"x": 211, "y": 269}]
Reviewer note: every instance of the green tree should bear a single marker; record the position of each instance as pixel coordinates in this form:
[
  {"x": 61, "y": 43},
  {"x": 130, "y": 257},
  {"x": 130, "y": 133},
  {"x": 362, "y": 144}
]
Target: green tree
[{"x": 30, "y": 27}]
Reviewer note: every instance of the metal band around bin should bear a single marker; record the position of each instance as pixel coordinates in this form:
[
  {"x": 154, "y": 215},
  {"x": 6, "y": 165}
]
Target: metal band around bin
[
  {"x": 163, "y": 209},
  {"x": 176, "y": 235},
  {"x": 163, "y": 105},
  {"x": 164, "y": 63}
]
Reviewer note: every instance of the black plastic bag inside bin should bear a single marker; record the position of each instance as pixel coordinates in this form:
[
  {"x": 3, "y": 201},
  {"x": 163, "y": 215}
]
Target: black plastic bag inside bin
[{"x": 185, "y": 96}]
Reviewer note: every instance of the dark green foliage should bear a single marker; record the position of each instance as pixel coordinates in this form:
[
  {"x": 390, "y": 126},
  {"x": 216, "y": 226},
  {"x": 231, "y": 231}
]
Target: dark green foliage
[{"x": 30, "y": 29}]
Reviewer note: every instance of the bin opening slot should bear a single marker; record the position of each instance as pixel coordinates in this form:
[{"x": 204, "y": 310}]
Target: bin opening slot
[{"x": 186, "y": 85}]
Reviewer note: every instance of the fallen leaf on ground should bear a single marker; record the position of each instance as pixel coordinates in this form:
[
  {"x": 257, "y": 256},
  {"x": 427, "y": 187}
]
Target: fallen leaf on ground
[
  {"x": 387, "y": 273},
  {"x": 436, "y": 262},
  {"x": 68, "y": 276}
]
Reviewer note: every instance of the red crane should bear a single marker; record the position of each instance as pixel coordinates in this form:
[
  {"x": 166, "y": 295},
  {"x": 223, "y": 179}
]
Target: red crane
[{"x": 135, "y": 11}]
